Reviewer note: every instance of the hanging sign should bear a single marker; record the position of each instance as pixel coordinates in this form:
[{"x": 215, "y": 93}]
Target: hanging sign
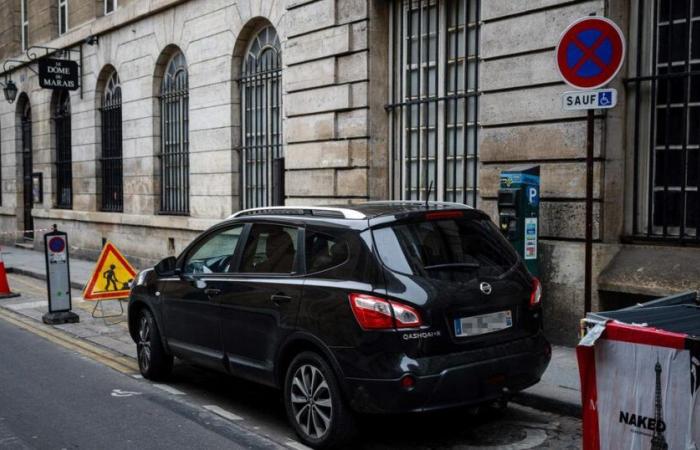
[
  {"x": 112, "y": 277},
  {"x": 590, "y": 52},
  {"x": 58, "y": 74}
]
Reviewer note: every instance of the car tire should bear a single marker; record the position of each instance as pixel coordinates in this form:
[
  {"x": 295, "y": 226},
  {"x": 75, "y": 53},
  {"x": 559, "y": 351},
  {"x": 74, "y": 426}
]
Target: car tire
[
  {"x": 315, "y": 406},
  {"x": 154, "y": 363}
]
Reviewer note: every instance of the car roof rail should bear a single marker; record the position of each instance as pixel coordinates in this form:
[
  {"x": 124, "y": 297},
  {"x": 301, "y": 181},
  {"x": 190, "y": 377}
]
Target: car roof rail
[
  {"x": 321, "y": 211},
  {"x": 418, "y": 203}
]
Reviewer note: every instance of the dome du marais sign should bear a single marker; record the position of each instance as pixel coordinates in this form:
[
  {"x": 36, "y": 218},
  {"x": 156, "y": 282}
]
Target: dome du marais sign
[{"x": 58, "y": 74}]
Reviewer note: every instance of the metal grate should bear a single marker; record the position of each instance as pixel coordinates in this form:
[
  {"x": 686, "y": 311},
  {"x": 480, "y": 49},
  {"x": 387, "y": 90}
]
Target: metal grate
[
  {"x": 64, "y": 172},
  {"x": 262, "y": 119},
  {"x": 27, "y": 167},
  {"x": 111, "y": 160},
  {"x": 174, "y": 156},
  {"x": 434, "y": 99},
  {"x": 666, "y": 98}
]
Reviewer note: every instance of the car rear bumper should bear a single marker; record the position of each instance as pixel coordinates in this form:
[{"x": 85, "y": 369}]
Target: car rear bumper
[{"x": 472, "y": 383}]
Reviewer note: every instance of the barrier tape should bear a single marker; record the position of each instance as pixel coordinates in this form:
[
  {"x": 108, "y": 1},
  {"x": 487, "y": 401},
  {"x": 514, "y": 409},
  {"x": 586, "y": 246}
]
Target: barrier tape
[{"x": 39, "y": 230}]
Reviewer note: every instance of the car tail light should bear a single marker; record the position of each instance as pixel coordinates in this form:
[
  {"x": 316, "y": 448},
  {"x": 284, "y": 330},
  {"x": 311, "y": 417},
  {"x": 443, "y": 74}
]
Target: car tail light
[
  {"x": 536, "y": 294},
  {"x": 374, "y": 313}
]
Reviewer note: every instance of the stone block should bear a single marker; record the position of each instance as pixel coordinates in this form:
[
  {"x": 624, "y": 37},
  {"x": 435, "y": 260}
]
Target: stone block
[
  {"x": 353, "y": 67},
  {"x": 359, "y": 36},
  {"x": 310, "y": 17},
  {"x": 493, "y": 9},
  {"x": 521, "y": 70},
  {"x": 318, "y": 127},
  {"x": 351, "y": 10},
  {"x": 352, "y": 124},
  {"x": 318, "y": 155},
  {"x": 311, "y": 74},
  {"x": 359, "y": 94},
  {"x": 352, "y": 183},
  {"x": 524, "y": 106},
  {"x": 567, "y": 220},
  {"x": 537, "y": 142},
  {"x": 515, "y": 35},
  {"x": 310, "y": 183},
  {"x": 320, "y": 44},
  {"x": 330, "y": 98}
]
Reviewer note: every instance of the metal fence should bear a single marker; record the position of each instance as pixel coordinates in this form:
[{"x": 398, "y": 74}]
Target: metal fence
[
  {"x": 64, "y": 171},
  {"x": 434, "y": 99},
  {"x": 111, "y": 160},
  {"x": 262, "y": 120},
  {"x": 664, "y": 96},
  {"x": 174, "y": 156}
]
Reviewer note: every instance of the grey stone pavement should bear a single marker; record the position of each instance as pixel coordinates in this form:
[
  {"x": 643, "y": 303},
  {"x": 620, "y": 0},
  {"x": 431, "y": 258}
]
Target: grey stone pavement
[{"x": 557, "y": 392}]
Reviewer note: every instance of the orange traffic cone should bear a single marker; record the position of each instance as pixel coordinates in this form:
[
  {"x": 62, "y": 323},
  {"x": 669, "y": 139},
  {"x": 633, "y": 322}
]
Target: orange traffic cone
[{"x": 5, "y": 291}]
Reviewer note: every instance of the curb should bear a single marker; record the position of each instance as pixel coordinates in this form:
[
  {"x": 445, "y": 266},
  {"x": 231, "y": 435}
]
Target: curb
[
  {"x": 40, "y": 276},
  {"x": 548, "y": 404}
]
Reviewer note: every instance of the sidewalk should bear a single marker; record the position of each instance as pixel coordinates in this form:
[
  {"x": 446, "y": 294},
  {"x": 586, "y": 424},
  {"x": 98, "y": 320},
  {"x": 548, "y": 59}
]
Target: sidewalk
[{"x": 558, "y": 391}]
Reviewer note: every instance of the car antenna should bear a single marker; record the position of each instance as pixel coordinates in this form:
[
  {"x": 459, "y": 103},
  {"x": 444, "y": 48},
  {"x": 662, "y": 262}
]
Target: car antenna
[{"x": 427, "y": 193}]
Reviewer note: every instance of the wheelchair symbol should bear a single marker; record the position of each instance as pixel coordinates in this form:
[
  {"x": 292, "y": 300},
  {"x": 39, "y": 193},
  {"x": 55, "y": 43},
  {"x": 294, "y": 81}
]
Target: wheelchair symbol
[{"x": 604, "y": 98}]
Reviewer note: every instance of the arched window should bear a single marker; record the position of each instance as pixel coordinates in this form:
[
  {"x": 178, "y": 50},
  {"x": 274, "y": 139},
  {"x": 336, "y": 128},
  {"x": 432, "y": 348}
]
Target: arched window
[
  {"x": 261, "y": 97},
  {"x": 174, "y": 123},
  {"x": 62, "y": 130},
  {"x": 111, "y": 160}
]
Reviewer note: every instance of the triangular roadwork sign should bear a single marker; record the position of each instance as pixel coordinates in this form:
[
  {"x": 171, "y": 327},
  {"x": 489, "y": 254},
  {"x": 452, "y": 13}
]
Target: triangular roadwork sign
[{"x": 112, "y": 276}]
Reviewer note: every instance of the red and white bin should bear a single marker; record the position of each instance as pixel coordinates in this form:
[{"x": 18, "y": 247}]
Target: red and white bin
[{"x": 640, "y": 377}]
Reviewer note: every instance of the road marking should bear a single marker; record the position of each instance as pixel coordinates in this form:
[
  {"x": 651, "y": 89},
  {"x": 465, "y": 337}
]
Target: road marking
[
  {"x": 533, "y": 438},
  {"x": 168, "y": 389},
  {"x": 120, "y": 363},
  {"x": 222, "y": 412},
  {"x": 120, "y": 393},
  {"x": 296, "y": 445}
]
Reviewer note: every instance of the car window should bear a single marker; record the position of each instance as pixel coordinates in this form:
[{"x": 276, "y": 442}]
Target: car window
[
  {"x": 215, "y": 254},
  {"x": 270, "y": 249},
  {"x": 453, "y": 249},
  {"x": 324, "y": 252}
]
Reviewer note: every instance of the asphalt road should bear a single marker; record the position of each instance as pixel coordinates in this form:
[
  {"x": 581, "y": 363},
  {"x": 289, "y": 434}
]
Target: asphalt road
[{"x": 52, "y": 398}]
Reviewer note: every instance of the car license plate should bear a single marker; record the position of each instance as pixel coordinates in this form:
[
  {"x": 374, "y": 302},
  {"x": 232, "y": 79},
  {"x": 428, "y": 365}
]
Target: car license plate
[{"x": 483, "y": 324}]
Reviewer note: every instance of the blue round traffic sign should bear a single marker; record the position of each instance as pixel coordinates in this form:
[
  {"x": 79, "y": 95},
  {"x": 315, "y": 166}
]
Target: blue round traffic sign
[
  {"x": 590, "y": 52},
  {"x": 57, "y": 244}
]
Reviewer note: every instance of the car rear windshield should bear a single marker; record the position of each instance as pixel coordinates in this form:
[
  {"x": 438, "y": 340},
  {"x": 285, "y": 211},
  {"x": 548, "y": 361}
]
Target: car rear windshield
[{"x": 457, "y": 249}]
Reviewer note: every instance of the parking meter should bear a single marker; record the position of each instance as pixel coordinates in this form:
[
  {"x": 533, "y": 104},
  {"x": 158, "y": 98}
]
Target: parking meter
[{"x": 519, "y": 210}]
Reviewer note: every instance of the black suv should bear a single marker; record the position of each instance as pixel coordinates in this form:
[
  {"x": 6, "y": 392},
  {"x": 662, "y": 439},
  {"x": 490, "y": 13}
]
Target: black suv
[{"x": 376, "y": 308}]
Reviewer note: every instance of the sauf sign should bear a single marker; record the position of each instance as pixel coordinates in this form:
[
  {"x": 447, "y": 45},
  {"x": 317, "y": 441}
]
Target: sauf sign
[{"x": 58, "y": 74}]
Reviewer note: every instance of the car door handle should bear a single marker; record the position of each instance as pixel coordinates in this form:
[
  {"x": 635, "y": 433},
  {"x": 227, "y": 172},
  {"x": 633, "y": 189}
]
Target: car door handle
[
  {"x": 211, "y": 292},
  {"x": 278, "y": 299}
]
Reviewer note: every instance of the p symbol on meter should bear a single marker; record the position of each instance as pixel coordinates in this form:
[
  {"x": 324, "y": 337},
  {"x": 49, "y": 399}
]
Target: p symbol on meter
[{"x": 532, "y": 196}]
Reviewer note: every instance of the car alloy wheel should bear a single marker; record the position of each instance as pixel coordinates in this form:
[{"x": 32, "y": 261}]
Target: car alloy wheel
[
  {"x": 144, "y": 344},
  {"x": 311, "y": 401}
]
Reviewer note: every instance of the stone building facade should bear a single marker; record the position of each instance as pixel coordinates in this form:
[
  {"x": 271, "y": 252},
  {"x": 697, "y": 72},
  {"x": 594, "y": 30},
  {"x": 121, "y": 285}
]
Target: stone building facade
[{"x": 187, "y": 106}]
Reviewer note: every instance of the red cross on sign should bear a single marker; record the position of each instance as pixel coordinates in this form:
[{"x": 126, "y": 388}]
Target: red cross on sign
[{"x": 590, "y": 52}]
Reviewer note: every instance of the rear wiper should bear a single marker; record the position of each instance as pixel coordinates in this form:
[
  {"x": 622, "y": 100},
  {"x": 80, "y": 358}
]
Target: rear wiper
[{"x": 453, "y": 266}]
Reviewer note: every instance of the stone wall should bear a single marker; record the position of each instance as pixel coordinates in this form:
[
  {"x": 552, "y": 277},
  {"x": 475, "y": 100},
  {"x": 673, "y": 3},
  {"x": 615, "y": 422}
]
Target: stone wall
[{"x": 326, "y": 81}]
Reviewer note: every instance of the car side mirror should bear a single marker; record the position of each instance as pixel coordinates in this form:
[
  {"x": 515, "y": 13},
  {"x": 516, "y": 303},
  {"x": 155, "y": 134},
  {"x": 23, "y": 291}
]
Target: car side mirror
[{"x": 167, "y": 267}]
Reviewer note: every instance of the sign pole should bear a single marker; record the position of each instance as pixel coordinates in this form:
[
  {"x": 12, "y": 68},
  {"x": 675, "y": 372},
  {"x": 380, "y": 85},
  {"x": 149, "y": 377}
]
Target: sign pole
[
  {"x": 589, "y": 54},
  {"x": 590, "y": 134}
]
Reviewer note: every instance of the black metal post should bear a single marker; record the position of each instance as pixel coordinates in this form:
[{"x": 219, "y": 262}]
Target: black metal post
[{"x": 589, "y": 210}]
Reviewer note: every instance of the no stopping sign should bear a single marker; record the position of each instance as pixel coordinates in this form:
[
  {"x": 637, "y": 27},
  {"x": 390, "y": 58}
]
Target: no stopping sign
[{"x": 590, "y": 52}]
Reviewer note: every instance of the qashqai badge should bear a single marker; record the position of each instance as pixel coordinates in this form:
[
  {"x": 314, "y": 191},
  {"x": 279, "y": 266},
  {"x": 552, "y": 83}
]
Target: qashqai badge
[{"x": 485, "y": 288}]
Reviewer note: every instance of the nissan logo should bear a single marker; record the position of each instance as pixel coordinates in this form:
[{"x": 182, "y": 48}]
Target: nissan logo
[{"x": 485, "y": 288}]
